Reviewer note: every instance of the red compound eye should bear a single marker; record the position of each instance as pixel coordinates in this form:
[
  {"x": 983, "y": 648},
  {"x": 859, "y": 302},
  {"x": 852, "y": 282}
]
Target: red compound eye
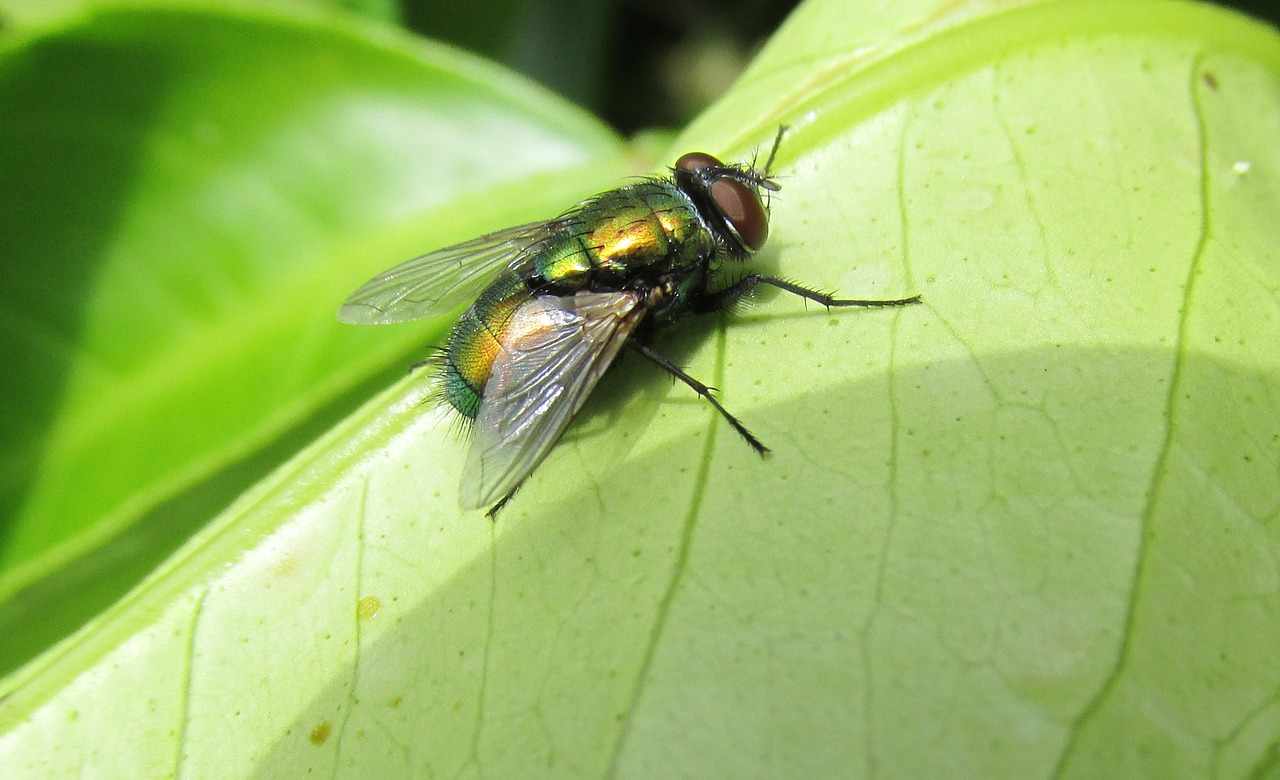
[{"x": 743, "y": 210}]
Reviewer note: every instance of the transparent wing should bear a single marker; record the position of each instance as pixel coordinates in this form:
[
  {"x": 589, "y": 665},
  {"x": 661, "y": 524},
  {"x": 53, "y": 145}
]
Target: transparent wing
[
  {"x": 555, "y": 352},
  {"x": 445, "y": 279}
]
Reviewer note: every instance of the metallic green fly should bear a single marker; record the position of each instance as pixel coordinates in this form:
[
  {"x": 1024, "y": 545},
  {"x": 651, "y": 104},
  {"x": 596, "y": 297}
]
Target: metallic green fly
[{"x": 552, "y": 304}]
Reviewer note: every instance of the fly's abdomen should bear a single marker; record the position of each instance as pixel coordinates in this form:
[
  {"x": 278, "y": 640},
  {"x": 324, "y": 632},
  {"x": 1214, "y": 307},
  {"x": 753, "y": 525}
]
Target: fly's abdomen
[{"x": 476, "y": 340}]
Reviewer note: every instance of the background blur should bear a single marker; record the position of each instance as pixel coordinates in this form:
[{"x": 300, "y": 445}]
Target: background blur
[{"x": 635, "y": 63}]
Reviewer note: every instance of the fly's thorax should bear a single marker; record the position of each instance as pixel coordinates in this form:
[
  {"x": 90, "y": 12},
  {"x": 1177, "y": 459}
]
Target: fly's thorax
[
  {"x": 565, "y": 262},
  {"x": 638, "y": 230},
  {"x": 689, "y": 241},
  {"x": 476, "y": 340}
]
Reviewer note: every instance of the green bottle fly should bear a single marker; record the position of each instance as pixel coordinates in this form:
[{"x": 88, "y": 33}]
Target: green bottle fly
[{"x": 554, "y": 303}]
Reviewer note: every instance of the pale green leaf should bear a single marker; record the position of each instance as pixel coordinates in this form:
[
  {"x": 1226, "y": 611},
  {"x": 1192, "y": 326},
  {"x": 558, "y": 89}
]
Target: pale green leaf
[{"x": 1029, "y": 528}]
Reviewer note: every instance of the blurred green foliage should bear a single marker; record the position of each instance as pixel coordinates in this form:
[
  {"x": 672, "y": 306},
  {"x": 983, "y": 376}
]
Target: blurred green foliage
[{"x": 636, "y": 63}]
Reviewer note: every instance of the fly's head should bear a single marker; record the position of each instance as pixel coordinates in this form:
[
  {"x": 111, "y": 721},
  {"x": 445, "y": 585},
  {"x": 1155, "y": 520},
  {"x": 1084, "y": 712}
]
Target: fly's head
[{"x": 730, "y": 196}]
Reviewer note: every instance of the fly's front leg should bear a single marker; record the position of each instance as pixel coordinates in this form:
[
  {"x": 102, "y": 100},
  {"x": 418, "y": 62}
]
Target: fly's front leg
[
  {"x": 700, "y": 389},
  {"x": 728, "y": 296}
]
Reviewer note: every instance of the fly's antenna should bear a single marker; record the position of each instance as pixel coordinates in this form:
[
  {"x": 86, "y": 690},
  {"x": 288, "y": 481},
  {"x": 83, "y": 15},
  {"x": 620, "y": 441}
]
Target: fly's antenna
[
  {"x": 705, "y": 171},
  {"x": 760, "y": 176}
]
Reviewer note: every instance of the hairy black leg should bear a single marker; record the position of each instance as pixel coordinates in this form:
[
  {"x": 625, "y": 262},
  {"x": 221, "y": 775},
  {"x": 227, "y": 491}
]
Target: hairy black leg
[
  {"x": 724, "y": 298},
  {"x": 492, "y": 514},
  {"x": 701, "y": 390}
]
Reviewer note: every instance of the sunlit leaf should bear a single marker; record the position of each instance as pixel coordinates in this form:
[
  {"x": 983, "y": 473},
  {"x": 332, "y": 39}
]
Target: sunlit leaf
[{"x": 1028, "y": 528}]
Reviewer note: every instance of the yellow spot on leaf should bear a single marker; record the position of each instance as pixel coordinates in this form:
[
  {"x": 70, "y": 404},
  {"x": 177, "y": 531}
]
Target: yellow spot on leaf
[{"x": 368, "y": 607}]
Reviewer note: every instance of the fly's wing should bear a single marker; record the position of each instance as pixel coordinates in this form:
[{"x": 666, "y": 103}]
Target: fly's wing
[
  {"x": 445, "y": 279},
  {"x": 555, "y": 351}
]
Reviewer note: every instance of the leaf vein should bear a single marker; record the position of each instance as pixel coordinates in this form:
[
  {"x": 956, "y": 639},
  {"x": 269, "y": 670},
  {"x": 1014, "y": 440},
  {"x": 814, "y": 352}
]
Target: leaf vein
[{"x": 1094, "y": 706}]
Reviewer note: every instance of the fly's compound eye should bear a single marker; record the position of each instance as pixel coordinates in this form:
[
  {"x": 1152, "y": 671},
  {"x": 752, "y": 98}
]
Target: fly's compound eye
[
  {"x": 695, "y": 162},
  {"x": 742, "y": 209}
]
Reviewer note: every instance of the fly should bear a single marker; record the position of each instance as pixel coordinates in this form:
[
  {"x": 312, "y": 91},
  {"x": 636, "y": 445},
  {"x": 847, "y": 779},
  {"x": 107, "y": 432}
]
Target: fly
[{"x": 553, "y": 303}]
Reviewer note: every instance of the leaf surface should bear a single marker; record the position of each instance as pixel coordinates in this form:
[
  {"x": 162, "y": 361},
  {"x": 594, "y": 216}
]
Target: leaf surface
[{"x": 1028, "y": 528}]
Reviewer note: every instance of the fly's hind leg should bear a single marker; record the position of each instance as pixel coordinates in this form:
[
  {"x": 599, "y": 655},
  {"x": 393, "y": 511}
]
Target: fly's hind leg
[
  {"x": 728, "y": 296},
  {"x": 492, "y": 514},
  {"x": 700, "y": 389}
]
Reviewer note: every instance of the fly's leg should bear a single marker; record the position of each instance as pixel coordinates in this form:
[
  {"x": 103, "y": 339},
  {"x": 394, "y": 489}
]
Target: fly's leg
[
  {"x": 436, "y": 359},
  {"x": 728, "y": 296},
  {"x": 700, "y": 389},
  {"x": 492, "y": 514}
]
